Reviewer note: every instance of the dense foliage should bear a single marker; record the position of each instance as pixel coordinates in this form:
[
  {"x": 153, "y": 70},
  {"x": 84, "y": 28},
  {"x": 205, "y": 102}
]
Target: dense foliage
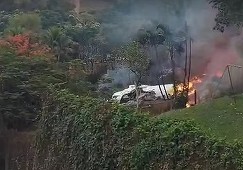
[
  {"x": 136, "y": 60},
  {"x": 22, "y": 86},
  {"x": 23, "y": 83},
  {"x": 29, "y": 5},
  {"x": 230, "y": 13},
  {"x": 85, "y": 133},
  {"x": 51, "y": 60}
]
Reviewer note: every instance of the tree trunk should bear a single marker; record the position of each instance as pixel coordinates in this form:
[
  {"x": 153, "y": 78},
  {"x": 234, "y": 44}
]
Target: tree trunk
[
  {"x": 164, "y": 87},
  {"x": 185, "y": 70},
  {"x": 157, "y": 57},
  {"x": 92, "y": 65},
  {"x": 79, "y": 52},
  {"x": 173, "y": 70},
  {"x": 190, "y": 63},
  {"x": 58, "y": 56},
  {"x": 137, "y": 95},
  {"x": 161, "y": 90},
  {"x": 7, "y": 161},
  {"x": 156, "y": 53}
]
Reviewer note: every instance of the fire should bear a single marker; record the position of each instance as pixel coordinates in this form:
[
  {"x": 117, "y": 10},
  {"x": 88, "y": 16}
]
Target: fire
[
  {"x": 191, "y": 87},
  {"x": 188, "y": 105}
]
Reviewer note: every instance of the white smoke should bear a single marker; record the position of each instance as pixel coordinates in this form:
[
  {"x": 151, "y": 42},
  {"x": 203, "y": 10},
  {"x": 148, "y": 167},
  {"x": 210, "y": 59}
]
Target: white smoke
[{"x": 212, "y": 50}]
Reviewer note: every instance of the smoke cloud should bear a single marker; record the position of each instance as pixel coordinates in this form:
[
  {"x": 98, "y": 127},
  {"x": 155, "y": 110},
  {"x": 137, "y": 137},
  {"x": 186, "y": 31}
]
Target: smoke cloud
[{"x": 212, "y": 50}]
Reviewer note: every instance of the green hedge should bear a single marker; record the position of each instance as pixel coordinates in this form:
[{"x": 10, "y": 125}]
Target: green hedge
[
  {"x": 85, "y": 133},
  {"x": 23, "y": 83}
]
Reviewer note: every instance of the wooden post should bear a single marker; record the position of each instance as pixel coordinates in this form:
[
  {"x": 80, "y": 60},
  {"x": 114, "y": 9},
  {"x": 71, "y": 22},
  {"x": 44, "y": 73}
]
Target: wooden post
[
  {"x": 231, "y": 83},
  {"x": 195, "y": 97}
]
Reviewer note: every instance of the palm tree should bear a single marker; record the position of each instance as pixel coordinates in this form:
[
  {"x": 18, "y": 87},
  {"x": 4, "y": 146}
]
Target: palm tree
[
  {"x": 152, "y": 39},
  {"x": 57, "y": 41},
  {"x": 175, "y": 43},
  {"x": 15, "y": 31}
]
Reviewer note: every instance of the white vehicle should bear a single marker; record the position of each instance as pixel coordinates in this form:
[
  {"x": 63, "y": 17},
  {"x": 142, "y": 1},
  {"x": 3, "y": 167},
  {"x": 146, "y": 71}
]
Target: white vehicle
[{"x": 146, "y": 88}]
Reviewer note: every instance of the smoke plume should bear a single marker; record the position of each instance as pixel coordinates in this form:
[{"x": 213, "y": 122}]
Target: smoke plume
[{"x": 212, "y": 50}]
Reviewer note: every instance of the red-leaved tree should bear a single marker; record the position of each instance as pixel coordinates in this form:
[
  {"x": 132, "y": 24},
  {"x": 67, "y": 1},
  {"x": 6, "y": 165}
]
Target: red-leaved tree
[
  {"x": 23, "y": 46},
  {"x": 21, "y": 43}
]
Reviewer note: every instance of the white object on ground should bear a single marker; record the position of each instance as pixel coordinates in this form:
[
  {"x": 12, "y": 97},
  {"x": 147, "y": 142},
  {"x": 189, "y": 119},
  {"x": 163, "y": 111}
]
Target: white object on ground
[{"x": 146, "y": 88}]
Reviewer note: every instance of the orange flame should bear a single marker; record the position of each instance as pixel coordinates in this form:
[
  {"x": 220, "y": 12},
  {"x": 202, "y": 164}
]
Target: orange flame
[
  {"x": 188, "y": 105},
  {"x": 193, "y": 85},
  {"x": 191, "y": 88}
]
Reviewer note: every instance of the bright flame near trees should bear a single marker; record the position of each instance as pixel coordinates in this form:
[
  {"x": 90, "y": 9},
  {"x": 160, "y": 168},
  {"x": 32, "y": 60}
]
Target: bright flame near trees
[
  {"x": 191, "y": 88},
  {"x": 188, "y": 105}
]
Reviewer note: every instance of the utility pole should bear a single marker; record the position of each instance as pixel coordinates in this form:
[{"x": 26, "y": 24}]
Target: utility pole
[
  {"x": 186, "y": 57},
  {"x": 227, "y": 69}
]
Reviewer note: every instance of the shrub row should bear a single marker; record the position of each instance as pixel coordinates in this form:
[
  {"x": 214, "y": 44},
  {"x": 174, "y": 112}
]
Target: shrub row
[{"x": 85, "y": 133}]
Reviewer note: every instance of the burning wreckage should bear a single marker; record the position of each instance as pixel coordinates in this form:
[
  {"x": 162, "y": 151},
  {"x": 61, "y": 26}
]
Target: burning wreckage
[
  {"x": 157, "y": 98},
  {"x": 146, "y": 92}
]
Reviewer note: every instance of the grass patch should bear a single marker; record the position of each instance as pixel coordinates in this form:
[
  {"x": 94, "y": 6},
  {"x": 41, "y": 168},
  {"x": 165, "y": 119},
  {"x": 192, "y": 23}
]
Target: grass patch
[{"x": 221, "y": 118}]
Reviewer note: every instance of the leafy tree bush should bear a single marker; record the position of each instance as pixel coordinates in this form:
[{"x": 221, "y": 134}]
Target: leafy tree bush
[
  {"x": 30, "y": 5},
  {"x": 136, "y": 60},
  {"x": 85, "y": 133},
  {"x": 4, "y": 16},
  {"x": 53, "y": 18},
  {"x": 25, "y": 45},
  {"x": 29, "y": 22},
  {"x": 58, "y": 41},
  {"x": 229, "y": 13},
  {"x": 86, "y": 37},
  {"x": 24, "y": 81}
]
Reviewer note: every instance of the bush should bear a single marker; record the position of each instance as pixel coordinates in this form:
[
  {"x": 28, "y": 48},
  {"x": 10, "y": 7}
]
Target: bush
[
  {"x": 25, "y": 21},
  {"x": 85, "y": 133},
  {"x": 24, "y": 81}
]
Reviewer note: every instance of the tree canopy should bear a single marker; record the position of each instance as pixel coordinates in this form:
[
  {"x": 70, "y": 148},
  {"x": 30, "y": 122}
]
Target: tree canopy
[
  {"x": 230, "y": 13},
  {"x": 52, "y": 58},
  {"x": 29, "y": 5}
]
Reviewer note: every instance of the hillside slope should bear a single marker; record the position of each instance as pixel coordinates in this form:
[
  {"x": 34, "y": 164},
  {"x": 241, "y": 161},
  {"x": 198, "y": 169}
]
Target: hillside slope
[{"x": 221, "y": 117}]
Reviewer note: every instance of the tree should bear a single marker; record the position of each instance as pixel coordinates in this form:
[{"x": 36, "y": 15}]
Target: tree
[
  {"x": 23, "y": 81},
  {"x": 21, "y": 43},
  {"x": 229, "y": 13},
  {"x": 25, "y": 45},
  {"x": 89, "y": 40},
  {"x": 4, "y": 17},
  {"x": 14, "y": 31},
  {"x": 30, "y": 5},
  {"x": 53, "y": 18},
  {"x": 153, "y": 39},
  {"x": 174, "y": 46},
  {"x": 57, "y": 41},
  {"x": 136, "y": 60},
  {"x": 25, "y": 22},
  {"x": 175, "y": 43},
  {"x": 65, "y": 5}
]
